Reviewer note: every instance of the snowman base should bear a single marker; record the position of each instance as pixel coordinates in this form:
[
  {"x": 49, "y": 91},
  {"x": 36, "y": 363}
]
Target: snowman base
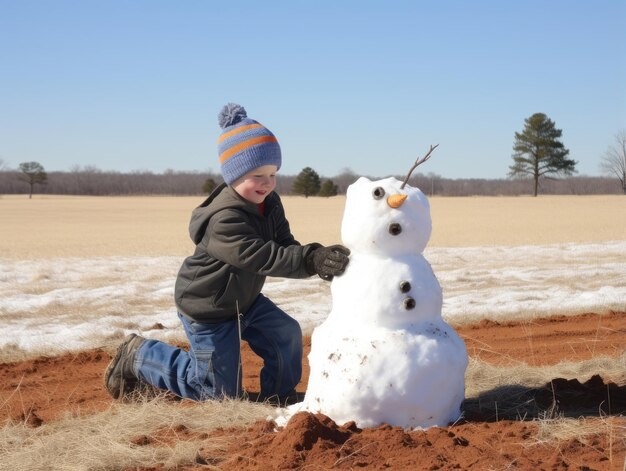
[{"x": 412, "y": 379}]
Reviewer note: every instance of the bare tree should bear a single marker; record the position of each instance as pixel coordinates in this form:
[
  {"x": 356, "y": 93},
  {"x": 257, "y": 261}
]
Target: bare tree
[
  {"x": 346, "y": 177},
  {"x": 614, "y": 159},
  {"x": 33, "y": 173}
]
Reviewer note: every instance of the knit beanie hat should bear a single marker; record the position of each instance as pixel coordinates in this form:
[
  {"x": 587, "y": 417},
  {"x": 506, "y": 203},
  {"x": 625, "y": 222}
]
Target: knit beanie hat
[{"x": 244, "y": 144}]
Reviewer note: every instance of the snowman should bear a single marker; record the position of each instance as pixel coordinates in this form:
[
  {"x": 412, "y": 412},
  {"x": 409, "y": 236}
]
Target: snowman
[{"x": 384, "y": 354}]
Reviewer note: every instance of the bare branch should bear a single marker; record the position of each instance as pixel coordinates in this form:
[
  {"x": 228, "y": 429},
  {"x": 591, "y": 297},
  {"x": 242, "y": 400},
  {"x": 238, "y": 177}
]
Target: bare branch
[{"x": 418, "y": 162}]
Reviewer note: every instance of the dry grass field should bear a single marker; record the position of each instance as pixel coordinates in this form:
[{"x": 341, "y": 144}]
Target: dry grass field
[
  {"x": 527, "y": 407},
  {"x": 76, "y": 226}
]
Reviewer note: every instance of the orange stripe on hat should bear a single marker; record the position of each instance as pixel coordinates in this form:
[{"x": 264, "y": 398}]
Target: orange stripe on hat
[
  {"x": 244, "y": 145},
  {"x": 228, "y": 134}
]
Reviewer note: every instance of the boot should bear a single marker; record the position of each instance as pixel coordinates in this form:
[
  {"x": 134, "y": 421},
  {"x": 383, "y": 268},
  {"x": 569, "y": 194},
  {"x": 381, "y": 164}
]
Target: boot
[{"x": 119, "y": 377}]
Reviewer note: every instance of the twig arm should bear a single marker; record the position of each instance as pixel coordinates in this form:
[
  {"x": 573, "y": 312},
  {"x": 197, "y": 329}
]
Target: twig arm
[{"x": 419, "y": 162}]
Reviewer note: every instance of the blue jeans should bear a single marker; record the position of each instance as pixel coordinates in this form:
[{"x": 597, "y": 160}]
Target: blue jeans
[{"x": 212, "y": 367}]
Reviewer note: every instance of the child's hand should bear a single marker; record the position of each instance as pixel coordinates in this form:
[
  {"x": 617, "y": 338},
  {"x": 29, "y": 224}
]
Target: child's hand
[{"x": 328, "y": 262}]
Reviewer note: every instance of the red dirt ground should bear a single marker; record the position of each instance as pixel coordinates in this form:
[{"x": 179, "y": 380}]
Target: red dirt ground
[{"x": 44, "y": 389}]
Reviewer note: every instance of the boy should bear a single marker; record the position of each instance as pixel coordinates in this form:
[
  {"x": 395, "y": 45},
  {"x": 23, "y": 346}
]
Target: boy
[{"x": 241, "y": 236}]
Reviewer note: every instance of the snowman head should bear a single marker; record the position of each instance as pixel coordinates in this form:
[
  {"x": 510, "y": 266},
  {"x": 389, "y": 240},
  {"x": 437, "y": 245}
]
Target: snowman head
[{"x": 383, "y": 218}]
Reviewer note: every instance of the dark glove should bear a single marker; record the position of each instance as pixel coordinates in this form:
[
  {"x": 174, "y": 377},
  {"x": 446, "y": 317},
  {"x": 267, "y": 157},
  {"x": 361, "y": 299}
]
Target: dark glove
[{"x": 328, "y": 262}]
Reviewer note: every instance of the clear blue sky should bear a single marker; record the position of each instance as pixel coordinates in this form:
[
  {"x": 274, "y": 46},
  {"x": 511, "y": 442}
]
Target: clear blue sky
[{"x": 137, "y": 85}]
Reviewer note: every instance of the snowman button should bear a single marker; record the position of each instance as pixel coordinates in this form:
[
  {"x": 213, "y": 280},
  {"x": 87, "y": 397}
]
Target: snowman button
[
  {"x": 395, "y": 228},
  {"x": 409, "y": 303},
  {"x": 405, "y": 286}
]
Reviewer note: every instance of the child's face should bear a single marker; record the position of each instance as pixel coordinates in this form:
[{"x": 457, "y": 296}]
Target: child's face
[{"x": 257, "y": 184}]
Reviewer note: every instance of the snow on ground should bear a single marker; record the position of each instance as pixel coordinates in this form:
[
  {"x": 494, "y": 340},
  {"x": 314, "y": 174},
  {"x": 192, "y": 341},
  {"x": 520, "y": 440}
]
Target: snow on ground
[{"x": 76, "y": 303}]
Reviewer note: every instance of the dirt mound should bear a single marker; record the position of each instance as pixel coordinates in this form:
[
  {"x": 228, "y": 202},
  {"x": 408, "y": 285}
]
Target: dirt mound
[
  {"x": 316, "y": 441},
  {"x": 480, "y": 441}
]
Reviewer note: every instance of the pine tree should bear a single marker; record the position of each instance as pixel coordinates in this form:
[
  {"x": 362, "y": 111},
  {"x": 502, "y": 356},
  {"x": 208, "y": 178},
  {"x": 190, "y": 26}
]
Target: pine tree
[
  {"x": 328, "y": 189},
  {"x": 208, "y": 186},
  {"x": 33, "y": 173},
  {"x": 307, "y": 183},
  {"x": 539, "y": 152}
]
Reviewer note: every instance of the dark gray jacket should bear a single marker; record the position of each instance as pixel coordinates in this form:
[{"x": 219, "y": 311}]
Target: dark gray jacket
[{"x": 236, "y": 248}]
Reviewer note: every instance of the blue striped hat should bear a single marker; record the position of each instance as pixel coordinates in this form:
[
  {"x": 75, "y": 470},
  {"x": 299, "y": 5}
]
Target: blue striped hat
[{"x": 244, "y": 144}]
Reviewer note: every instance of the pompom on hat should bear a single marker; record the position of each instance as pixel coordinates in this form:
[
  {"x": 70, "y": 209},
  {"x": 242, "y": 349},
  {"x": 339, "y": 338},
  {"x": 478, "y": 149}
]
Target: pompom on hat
[{"x": 245, "y": 144}]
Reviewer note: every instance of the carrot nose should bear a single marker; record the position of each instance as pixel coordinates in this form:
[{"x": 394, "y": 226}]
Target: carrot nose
[{"x": 395, "y": 201}]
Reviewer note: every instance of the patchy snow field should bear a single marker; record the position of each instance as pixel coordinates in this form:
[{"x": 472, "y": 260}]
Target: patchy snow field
[{"x": 65, "y": 304}]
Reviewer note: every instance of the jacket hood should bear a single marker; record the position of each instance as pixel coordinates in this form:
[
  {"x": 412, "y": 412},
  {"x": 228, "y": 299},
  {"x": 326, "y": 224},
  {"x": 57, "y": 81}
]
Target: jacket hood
[{"x": 223, "y": 197}]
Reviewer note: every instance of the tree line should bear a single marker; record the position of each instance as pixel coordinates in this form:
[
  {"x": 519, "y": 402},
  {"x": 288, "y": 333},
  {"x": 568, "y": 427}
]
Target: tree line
[
  {"x": 539, "y": 158},
  {"x": 103, "y": 183}
]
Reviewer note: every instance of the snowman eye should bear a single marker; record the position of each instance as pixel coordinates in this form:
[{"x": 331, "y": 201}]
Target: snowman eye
[{"x": 378, "y": 193}]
